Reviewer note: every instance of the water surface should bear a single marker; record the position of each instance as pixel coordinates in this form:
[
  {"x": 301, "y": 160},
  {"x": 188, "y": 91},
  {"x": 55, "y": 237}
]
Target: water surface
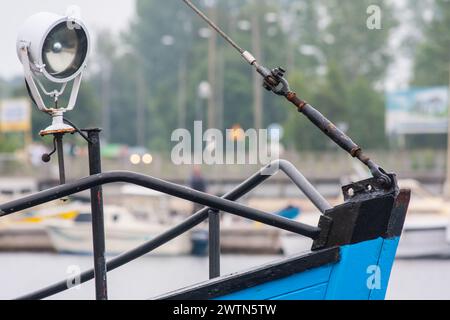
[{"x": 151, "y": 276}]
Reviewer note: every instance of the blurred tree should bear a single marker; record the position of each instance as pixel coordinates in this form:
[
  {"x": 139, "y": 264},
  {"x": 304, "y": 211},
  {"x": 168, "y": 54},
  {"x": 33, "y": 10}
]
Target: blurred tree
[
  {"x": 346, "y": 38},
  {"x": 10, "y": 142},
  {"x": 116, "y": 85},
  {"x": 357, "y": 109},
  {"x": 356, "y": 59},
  {"x": 273, "y": 46},
  {"x": 333, "y": 92},
  {"x": 302, "y": 28},
  {"x": 432, "y": 59},
  {"x": 415, "y": 16},
  {"x": 164, "y": 46},
  {"x": 366, "y": 117},
  {"x": 300, "y": 133},
  {"x": 160, "y": 38},
  {"x": 341, "y": 56},
  {"x": 3, "y": 88}
]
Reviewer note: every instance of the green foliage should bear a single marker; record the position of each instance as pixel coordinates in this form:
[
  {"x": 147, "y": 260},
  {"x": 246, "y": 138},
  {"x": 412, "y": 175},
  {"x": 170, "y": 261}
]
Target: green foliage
[
  {"x": 356, "y": 61},
  {"x": 355, "y": 106},
  {"x": 360, "y": 52},
  {"x": 432, "y": 59},
  {"x": 10, "y": 142},
  {"x": 300, "y": 133},
  {"x": 366, "y": 117},
  {"x": 143, "y": 69}
]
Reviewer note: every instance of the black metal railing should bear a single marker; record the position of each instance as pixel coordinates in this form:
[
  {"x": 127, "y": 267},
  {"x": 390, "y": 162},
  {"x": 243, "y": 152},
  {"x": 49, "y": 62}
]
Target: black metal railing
[{"x": 213, "y": 205}]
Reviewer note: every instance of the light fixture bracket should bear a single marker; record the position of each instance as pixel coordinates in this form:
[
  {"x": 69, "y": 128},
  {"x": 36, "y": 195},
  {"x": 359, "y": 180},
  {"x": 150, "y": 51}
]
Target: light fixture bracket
[
  {"x": 57, "y": 113},
  {"x": 34, "y": 91},
  {"x": 58, "y": 126}
]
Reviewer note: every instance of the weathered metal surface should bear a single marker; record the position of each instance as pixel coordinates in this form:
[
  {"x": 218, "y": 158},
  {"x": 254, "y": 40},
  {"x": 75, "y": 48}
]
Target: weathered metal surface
[
  {"x": 214, "y": 243},
  {"x": 164, "y": 187},
  {"x": 60, "y": 150},
  {"x": 44, "y": 133},
  {"x": 370, "y": 212},
  {"x": 369, "y": 188},
  {"x": 98, "y": 221},
  {"x": 241, "y": 190}
]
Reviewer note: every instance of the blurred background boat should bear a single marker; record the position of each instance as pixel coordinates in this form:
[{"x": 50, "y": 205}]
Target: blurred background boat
[
  {"x": 122, "y": 229},
  {"x": 65, "y": 226},
  {"x": 23, "y": 236},
  {"x": 243, "y": 237},
  {"x": 292, "y": 243},
  {"x": 135, "y": 216},
  {"x": 427, "y": 224},
  {"x": 427, "y": 227},
  {"x": 426, "y": 232},
  {"x": 25, "y": 232}
]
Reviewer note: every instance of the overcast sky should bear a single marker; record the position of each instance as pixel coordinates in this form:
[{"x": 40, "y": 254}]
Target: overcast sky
[{"x": 98, "y": 14}]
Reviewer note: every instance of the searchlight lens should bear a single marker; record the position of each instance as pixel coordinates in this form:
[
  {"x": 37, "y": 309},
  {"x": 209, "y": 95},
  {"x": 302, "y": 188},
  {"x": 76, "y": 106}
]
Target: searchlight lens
[{"x": 64, "y": 50}]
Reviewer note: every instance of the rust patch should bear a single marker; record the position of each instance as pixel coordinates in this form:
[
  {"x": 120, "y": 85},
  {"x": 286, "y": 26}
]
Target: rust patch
[
  {"x": 64, "y": 131},
  {"x": 356, "y": 152},
  {"x": 292, "y": 97}
]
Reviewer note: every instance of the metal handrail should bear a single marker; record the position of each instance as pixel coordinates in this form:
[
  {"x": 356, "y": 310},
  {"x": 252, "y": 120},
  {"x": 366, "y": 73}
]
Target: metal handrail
[
  {"x": 224, "y": 203},
  {"x": 166, "y": 187}
]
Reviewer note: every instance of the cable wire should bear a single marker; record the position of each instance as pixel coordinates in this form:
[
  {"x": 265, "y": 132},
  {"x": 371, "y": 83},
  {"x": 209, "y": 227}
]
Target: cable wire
[{"x": 214, "y": 26}]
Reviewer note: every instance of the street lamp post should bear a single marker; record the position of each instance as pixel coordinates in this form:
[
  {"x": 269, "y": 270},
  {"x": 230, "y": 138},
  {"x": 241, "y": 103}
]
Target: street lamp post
[
  {"x": 204, "y": 92},
  {"x": 212, "y": 66}
]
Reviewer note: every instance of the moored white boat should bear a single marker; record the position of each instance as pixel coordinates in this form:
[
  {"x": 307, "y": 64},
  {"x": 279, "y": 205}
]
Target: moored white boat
[
  {"x": 427, "y": 224},
  {"x": 293, "y": 243},
  {"x": 26, "y": 232},
  {"x": 24, "y": 237},
  {"x": 425, "y": 236},
  {"x": 123, "y": 232}
]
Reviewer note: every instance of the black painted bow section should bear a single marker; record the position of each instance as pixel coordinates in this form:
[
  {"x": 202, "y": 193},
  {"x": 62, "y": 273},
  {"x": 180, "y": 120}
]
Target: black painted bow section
[{"x": 369, "y": 212}]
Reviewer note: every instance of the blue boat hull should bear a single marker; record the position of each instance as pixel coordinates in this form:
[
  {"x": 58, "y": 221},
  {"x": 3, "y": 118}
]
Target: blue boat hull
[
  {"x": 362, "y": 273},
  {"x": 352, "y": 260}
]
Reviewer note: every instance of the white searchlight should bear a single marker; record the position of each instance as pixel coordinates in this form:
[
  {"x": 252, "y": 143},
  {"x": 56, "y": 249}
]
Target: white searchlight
[{"x": 55, "y": 48}]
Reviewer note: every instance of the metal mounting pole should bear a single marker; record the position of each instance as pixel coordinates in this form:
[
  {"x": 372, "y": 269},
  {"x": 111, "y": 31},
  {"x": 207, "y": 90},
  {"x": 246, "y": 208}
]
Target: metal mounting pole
[
  {"x": 98, "y": 225},
  {"x": 214, "y": 244},
  {"x": 60, "y": 151}
]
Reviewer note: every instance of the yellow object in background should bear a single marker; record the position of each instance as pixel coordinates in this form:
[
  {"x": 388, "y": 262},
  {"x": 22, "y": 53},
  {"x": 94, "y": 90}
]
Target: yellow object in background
[
  {"x": 64, "y": 216},
  {"x": 15, "y": 115}
]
